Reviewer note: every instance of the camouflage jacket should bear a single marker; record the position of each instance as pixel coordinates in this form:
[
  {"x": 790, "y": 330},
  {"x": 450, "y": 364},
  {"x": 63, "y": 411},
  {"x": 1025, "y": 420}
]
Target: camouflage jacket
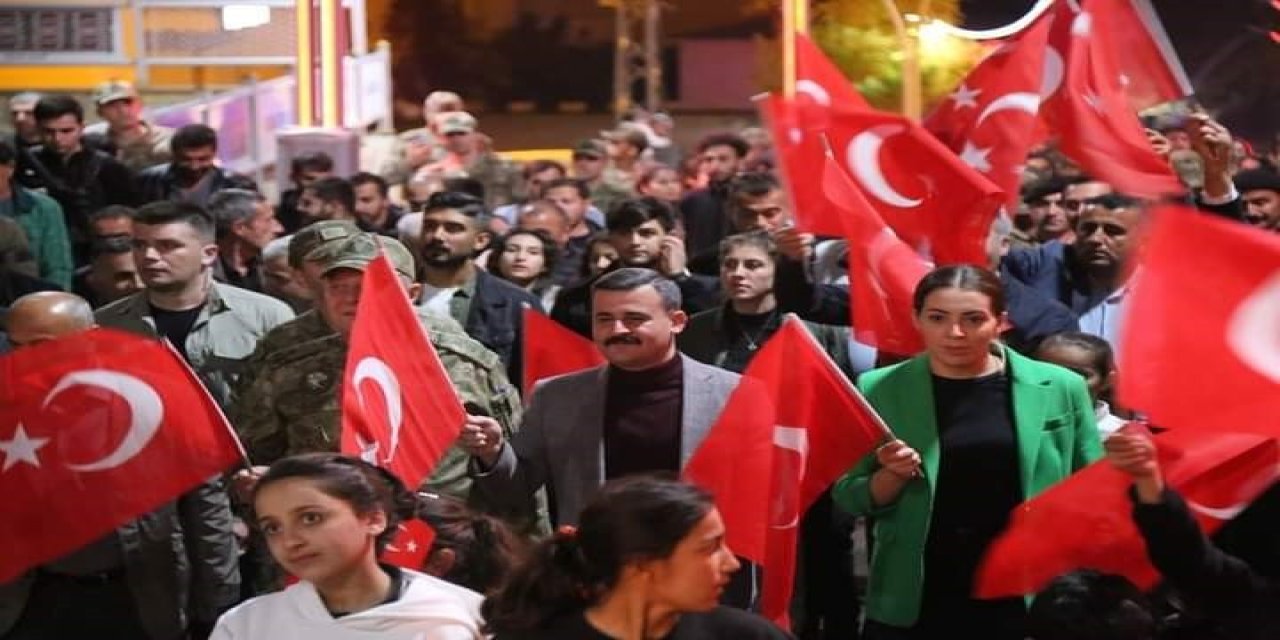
[{"x": 293, "y": 404}]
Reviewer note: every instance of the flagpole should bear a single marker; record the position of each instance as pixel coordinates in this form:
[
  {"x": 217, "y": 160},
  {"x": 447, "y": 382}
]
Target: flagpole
[
  {"x": 844, "y": 380},
  {"x": 789, "y": 47}
]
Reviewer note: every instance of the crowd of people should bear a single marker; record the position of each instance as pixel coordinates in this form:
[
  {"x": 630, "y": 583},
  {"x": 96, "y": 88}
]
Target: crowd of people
[{"x": 559, "y": 515}]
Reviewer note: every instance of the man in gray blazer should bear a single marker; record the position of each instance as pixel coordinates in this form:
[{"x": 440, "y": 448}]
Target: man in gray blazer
[{"x": 647, "y": 410}]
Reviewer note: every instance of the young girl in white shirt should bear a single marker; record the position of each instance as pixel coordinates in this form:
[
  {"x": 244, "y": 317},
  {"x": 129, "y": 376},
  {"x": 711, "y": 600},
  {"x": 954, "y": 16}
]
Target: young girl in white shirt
[{"x": 325, "y": 517}]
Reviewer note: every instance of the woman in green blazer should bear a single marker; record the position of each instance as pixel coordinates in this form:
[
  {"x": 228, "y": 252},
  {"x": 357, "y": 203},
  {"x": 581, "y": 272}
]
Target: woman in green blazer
[{"x": 979, "y": 429}]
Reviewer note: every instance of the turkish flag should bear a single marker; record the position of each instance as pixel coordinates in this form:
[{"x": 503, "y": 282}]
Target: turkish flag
[
  {"x": 819, "y": 81},
  {"x": 1150, "y": 70},
  {"x": 410, "y": 546},
  {"x": 883, "y": 271},
  {"x": 992, "y": 119},
  {"x": 800, "y": 151},
  {"x": 551, "y": 350},
  {"x": 1201, "y": 342},
  {"x": 936, "y": 203},
  {"x": 399, "y": 409},
  {"x": 807, "y": 426},
  {"x": 1091, "y": 114},
  {"x": 96, "y": 429},
  {"x": 1086, "y": 521}
]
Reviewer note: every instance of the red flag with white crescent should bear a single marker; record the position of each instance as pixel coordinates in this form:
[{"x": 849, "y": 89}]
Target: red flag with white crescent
[{"x": 96, "y": 429}]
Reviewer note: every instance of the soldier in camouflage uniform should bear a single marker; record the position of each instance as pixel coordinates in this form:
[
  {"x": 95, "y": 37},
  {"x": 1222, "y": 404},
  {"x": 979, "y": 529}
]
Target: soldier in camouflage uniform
[
  {"x": 469, "y": 156},
  {"x": 309, "y": 325},
  {"x": 293, "y": 405}
]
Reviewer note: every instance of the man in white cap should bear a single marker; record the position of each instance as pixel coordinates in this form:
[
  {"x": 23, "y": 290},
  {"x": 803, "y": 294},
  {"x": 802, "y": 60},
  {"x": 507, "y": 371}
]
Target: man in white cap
[
  {"x": 466, "y": 157},
  {"x": 135, "y": 142}
]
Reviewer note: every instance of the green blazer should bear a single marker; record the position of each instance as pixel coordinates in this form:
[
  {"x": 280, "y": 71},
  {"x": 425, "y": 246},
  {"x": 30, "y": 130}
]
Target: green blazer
[{"x": 1056, "y": 436}]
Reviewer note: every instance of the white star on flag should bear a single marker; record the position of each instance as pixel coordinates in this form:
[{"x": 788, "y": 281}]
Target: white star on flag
[
  {"x": 412, "y": 547},
  {"x": 21, "y": 448},
  {"x": 965, "y": 97},
  {"x": 976, "y": 157}
]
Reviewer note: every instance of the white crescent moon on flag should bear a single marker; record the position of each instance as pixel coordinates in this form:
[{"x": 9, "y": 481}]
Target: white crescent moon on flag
[
  {"x": 1253, "y": 331},
  {"x": 146, "y": 411},
  {"x": 371, "y": 368},
  {"x": 797, "y": 440},
  {"x": 863, "y": 157},
  {"x": 1221, "y": 513},
  {"x": 815, "y": 91},
  {"x": 1054, "y": 71},
  {"x": 1028, "y": 102}
]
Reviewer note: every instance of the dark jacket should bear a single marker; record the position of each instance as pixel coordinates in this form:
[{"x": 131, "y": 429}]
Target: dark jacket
[
  {"x": 86, "y": 182},
  {"x": 181, "y": 565},
  {"x": 1232, "y": 599},
  {"x": 713, "y": 337},
  {"x": 160, "y": 182},
  {"x": 496, "y": 320},
  {"x": 705, "y": 220}
]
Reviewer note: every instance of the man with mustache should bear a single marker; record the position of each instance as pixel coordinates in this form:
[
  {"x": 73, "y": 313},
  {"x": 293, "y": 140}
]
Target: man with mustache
[{"x": 647, "y": 410}]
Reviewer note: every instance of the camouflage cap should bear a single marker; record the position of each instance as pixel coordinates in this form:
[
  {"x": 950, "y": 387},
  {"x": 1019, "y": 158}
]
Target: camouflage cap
[
  {"x": 318, "y": 234},
  {"x": 454, "y": 122},
  {"x": 591, "y": 148},
  {"x": 359, "y": 250},
  {"x": 114, "y": 90}
]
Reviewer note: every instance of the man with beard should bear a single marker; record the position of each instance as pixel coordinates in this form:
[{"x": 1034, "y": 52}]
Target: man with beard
[
  {"x": 454, "y": 231},
  {"x": 192, "y": 176},
  {"x": 703, "y": 211}
]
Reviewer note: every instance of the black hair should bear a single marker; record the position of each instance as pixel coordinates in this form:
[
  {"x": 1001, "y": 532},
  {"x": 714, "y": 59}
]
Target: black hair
[
  {"x": 535, "y": 167},
  {"x": 1090, "y": 604},
  {"x": 752, "y": 184},
  {"x": 632, "y": 278},
  {"x": 469, "y": 186},
  {"x": 1035, "y": 192},
  {"x": 193, "y": 136},
  {"x": 632, "y": 519},
  {"x": 229, "y": 206},
  {"x": 1114, "y": 201},
  {"x": 633, "y": 212},
  {"x": 334, "y": 189},
  {"x": 550, "y": 251},
  {"x": 1099, "y": 350},
  {"x": 112, "y": 211},
  {"x": 467, "y": 204},
  {"x": 599, "y": 237},
  {"x": 50, "y": 107},
  {"x": 578, "y": 185},
  {"x": 739, "y": 144},
  {"x": 759, "y": 239},
  {"x": 109, "y": 246},
  {"x": 961, "y": 276},
  {"x": 364, "y": 177},
  {"x": 311, "y": 161},
  {"x": 364, "y": 486},
  {"x": 171, "y": 211},
  {"x": 484, "y": 547}
]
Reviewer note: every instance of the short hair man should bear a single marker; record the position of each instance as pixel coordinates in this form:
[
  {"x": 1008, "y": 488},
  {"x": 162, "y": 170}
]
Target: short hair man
[
  {"x": 81, "y": 179},
  {"x": 244, "y": 223},
  {"x": 41, "y": 220},
  {"x": 161, "y": 575},
  {"x": 327, "y": 199},
  {"x": 193, "y": 175},
  {"x": 1260, "y": 191},
  {"x": 374, "y": 210},
  {"x": 304, "y": 169},
  {"x": 647, "y": 410},
  {"x": 138, "y": 144},
  {"x": 703, "y": 211},
  {"x": 111, "y": 273},
  {"x": 454, "y": 232},
  {"x": 215, "y": 326}
]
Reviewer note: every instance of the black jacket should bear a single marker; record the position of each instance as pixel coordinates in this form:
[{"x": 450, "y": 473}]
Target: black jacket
[
  {"x": 1231, "y": 598},
  {"x": 160, "y": 182},
  {"x": 496, "y": 320},
  {"x": 82, "y": 184}
]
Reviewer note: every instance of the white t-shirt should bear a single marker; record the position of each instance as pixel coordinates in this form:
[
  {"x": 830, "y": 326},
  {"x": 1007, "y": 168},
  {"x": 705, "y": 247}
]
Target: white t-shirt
[
  {"x": 428, "y": 609},
  {"x": 437, "y": 299}
]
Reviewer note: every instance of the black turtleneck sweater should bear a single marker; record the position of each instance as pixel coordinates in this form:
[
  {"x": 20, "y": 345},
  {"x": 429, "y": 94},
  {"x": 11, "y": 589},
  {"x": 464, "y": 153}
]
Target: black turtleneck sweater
[{"x": 642, "y": 414}]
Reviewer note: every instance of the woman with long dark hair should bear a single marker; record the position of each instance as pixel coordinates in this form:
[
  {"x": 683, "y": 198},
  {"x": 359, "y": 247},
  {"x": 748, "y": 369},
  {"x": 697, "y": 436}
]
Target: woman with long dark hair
[
  {"x": 980, "y": 429},
  {"x": 471, "y": 549},
  {"x": 325, "y": 517},
  {"x": 647, "y": 562}
]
